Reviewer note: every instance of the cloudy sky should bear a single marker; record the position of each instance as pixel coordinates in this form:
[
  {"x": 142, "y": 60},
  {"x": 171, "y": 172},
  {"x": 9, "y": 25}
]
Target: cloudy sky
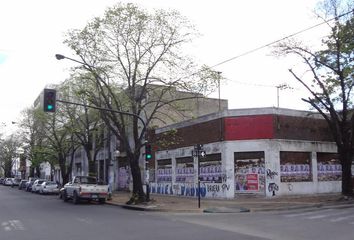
[{"x": 32, "y": 32}]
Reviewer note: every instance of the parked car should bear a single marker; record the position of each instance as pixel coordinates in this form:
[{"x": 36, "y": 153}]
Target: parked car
[
  {"x": 84, "y": 188},
  {"x": 36, "y": 185},
  {"x": 15, "y": 182},
  {"x": 49, "y": 187},
  {"x": 8, "y": 182},
  {"x": 22, "y": 184},
  {"x": 30, "y": 183}
]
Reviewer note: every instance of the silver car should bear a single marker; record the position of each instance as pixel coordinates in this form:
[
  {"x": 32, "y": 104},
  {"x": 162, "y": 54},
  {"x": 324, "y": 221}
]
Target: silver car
[{"x": 48, "y": 187}]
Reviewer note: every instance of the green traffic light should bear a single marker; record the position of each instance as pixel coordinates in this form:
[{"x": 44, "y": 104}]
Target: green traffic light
[
  {"x": 148, "y": 156},
  {"x": 50, "y": 107}
]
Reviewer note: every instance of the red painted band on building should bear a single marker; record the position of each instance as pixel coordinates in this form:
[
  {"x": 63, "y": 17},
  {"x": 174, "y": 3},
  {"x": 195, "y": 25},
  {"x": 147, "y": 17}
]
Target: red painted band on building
[{"x": 249, "y": 127}]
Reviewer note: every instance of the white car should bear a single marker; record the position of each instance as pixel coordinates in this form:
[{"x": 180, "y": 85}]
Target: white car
[
  {"x": 48, "y": 187},
  {"x": 8, "y": 181},
  {"x": 36, "y": 185}
]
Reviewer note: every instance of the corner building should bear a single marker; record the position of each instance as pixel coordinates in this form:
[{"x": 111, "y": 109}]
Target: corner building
[{"x": 262, "y": 151}]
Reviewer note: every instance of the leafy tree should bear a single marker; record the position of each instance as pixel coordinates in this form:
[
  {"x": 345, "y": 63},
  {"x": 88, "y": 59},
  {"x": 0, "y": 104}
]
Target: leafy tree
[
  {"x": 59, "y": 140},
  {"x": 331, "y": 79},
  {"x": 32, "y": 136},
  {"x": 135, "y": 59},
  {"x": 84, "y": 122},
  {"x": 9, "y": 148}
]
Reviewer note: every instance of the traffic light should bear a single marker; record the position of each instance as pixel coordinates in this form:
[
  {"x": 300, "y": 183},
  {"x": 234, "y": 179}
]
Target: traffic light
[
  {"x": 49, "y": 99},
  {"x": 148, "y": 153}
]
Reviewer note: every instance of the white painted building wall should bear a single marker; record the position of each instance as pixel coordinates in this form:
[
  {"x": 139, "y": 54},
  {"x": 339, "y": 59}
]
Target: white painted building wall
[{"x": 271, "y": 149}]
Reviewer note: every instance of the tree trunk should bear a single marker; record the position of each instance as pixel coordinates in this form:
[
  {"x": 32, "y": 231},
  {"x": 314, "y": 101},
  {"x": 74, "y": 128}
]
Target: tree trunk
[
  {"x": 138, "y": 191},
  {"x": 346, "y": 156}
]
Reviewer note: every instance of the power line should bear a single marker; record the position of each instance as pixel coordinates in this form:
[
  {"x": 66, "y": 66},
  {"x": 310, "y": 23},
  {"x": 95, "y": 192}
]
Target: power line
[
  {"x": 279, "y": 40},
  {"x": 285, "y": 86}
]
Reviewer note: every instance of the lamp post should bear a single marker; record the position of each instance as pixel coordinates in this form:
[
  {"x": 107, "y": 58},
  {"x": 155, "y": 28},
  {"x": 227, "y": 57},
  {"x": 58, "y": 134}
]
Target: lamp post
[{"x": 109, "y": 157}]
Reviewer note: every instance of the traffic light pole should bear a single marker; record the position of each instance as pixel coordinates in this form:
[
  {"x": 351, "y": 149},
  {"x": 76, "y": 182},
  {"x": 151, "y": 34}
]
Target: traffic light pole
[
  {"x": 121, "y": 112},
  {"x": 90, "y": 68},
  {"x": 105, "y": 109}
]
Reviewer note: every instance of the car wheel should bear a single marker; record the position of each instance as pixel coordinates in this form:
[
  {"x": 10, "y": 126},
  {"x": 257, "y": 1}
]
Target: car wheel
[{"x": 76, "y": 199}]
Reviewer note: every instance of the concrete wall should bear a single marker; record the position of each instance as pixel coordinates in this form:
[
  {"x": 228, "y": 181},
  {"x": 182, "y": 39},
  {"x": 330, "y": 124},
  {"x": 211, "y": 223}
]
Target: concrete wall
[{"x": 273, "y": 184}]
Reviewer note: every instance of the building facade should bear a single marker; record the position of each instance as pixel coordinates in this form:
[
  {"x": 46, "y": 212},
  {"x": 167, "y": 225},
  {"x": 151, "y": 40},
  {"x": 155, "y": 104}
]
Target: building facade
[{"x": 265, "y": 151}]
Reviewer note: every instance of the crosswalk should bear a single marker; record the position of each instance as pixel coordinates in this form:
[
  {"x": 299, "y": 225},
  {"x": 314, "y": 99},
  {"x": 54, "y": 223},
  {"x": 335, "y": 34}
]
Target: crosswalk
[
  {"x": 12, "y": 225},
  {"x": 333, "y": 215}
]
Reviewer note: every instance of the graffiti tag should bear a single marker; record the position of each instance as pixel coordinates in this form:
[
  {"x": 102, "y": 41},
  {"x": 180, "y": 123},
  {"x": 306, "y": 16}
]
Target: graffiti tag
[{"x": 271, "y": 174}]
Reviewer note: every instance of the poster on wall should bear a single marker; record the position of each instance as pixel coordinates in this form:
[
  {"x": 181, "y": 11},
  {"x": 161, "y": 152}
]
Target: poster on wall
[
  {"x": 295, "y": 172},
  {"x": 252, "y": 182},
  {"x": 249, "y": 175},
  {"x": 329, "y": 172},
  {"x": 123, "y": 178}
]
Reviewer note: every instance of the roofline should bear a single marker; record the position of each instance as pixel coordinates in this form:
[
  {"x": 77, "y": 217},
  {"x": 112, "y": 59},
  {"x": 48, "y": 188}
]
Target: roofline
[{"x": 239, "y": 113}]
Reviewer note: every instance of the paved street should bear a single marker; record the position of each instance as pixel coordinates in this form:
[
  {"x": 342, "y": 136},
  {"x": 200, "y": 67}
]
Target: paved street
[
  {"x": 29, "y": 216},
  {"x": 34, "y": 217},
  {"x": 300, "y": 224}
]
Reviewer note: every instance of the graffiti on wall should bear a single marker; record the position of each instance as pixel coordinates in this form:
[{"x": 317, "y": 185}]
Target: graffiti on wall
[
  {"x": 207, "y": 190},
  {"x": 272, "y": 186},
  {"x": 271, "y": 174}
]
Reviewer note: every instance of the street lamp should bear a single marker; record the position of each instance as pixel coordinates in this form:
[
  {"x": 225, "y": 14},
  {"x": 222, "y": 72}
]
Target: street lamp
[{"x": 90, "y": 68}]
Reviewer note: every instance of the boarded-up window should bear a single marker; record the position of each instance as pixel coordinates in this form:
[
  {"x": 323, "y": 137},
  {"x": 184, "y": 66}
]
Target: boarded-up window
[
  {"x": 210, "y": 168},
  {"x": 249, "y": 172},
  {"x": 184, "y": 170},
  {"x": 164, "y": 170},
  {"x": 328, "y": 167},
  {"x": 295, "y": 167}
]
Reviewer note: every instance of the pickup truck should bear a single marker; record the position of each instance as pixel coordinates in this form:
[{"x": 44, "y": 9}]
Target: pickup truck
[{"x": 84, "y": 188}]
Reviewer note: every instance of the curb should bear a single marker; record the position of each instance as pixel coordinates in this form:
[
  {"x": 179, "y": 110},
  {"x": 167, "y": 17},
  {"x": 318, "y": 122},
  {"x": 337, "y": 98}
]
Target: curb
[
  {"x": 153, "y": 208},
  {"x": 236, "y": 209},
  {"x": 226, "y": 210}
]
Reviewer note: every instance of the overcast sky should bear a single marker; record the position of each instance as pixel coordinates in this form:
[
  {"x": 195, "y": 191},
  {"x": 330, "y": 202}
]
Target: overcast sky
[{"x": 32, "y": 32}]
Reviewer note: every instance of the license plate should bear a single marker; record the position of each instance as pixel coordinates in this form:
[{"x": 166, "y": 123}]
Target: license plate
[{"x": 94, "y": 196}]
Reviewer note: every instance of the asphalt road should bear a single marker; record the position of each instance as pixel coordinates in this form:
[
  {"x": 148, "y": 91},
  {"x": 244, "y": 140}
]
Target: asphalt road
[
  {"x": 327, "y": 223},
  {"x": 27, "y": 216}
]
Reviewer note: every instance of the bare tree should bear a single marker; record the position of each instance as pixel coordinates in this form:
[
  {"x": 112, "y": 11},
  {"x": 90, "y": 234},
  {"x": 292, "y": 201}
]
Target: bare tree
[
  {"x": 135, "y": 59},
  {"x": 330, "y": 80}
]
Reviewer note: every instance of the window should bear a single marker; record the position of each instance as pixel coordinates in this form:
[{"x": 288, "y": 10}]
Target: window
[
  {"x": 210, "y": 168},
  {"x": 295, "y": 167},
  {"x": 164, "y": 170},
  {"x": 184, "y": 170},
  {"x": 249, "y": 172},
  {"x": 328, "y": 167}
]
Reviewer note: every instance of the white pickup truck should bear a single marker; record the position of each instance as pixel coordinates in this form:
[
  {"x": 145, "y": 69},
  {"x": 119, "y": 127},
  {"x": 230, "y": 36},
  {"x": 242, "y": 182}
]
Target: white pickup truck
[{"x": 84, "y": 188}]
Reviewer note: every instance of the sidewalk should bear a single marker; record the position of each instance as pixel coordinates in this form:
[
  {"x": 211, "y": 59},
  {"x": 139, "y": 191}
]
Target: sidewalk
[{"x": 243, "y": 203}]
